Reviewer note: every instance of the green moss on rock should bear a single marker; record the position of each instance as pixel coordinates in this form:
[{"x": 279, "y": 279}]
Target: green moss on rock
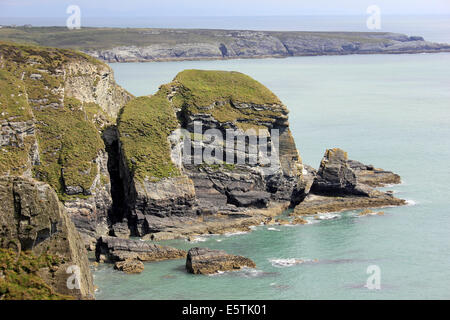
[
  {"x": 144, "y": 126},
  {"x": 20, "y": 279}
]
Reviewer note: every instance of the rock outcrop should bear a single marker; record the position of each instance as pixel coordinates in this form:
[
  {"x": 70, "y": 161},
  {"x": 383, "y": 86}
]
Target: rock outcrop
[
  {"x": 33, "y": 220},
  {"x": 112, "y": 249},
  {"x": 165, "y": 183},
  {"x": 207, "y": 261},
  {"x": 54, "y": 106},
  {"x": 343, "y": 184}
]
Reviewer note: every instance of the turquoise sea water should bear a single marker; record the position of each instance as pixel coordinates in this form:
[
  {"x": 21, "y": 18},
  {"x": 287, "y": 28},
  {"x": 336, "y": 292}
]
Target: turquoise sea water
[{"x": 392, "y": 111}]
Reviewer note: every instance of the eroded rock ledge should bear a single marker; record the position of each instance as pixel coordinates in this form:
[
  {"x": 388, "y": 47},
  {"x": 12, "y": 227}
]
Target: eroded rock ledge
[
  {"x": 207, "y": 261},
  {"x": 111, "y": 249}
]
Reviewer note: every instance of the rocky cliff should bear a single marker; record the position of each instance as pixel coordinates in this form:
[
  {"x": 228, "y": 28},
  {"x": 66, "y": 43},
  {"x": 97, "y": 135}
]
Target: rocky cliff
[
  {"x": 33, "y": 221},
  {"x": 55, "y": 105},
  {"x": 164, "y": 180}
]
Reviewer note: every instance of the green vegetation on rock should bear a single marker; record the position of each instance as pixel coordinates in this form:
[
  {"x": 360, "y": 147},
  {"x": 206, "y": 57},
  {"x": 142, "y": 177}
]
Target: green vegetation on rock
[
  {"x": 67, "y": 131},
  {"x": 13, "y": 98},
  {"x": 144, "y": 125},
  {"x": 20, "y": 279}
]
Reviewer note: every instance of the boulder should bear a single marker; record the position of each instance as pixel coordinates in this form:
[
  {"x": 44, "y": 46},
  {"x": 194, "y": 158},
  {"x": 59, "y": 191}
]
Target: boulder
[
  {"x": 207, "y": 261},
  {"x": 129, "y": 266}
]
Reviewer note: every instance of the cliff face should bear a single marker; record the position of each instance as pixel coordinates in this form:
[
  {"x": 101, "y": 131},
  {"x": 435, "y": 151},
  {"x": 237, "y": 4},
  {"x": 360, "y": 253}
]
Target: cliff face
[
  {"x": 55, "y": 104},
  {"x": 165, "y": 179},
  {"x": 33, "y": 220}
]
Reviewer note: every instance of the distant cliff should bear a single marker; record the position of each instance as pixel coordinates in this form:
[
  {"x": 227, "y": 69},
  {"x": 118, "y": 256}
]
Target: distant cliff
[{"x": 132, "y": 44}]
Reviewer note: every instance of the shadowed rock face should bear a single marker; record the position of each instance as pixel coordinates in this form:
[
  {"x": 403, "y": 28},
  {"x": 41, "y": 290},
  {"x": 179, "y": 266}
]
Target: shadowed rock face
[
  {"x": 32, "y": 218},
  {"x": 207, "y": 261}
]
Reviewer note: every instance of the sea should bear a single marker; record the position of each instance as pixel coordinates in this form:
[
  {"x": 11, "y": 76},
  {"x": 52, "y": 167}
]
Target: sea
[{"x": 392, "y": 111}]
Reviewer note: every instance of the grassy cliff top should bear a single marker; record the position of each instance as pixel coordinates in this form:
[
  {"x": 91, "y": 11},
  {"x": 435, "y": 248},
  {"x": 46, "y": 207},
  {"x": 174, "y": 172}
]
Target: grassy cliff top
[
  {"x": 208, "y": 86},
  {"x": 144, "y": 125},
  {"x": 228, "y": 96}
]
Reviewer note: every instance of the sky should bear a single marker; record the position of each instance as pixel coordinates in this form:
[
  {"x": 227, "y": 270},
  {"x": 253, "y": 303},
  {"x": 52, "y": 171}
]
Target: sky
[{"x": 149, "y": 8}]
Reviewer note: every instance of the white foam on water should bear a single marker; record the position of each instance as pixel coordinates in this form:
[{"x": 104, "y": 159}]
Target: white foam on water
[
  {"x": 273, "y": 229},
  {"x": 197, "y": 239},
  {"x": 289, "y": 262},
  {"x": 411, "y": 202},
  {"x": 327, "y": 216},
  {"x": 230, "y": 234}
]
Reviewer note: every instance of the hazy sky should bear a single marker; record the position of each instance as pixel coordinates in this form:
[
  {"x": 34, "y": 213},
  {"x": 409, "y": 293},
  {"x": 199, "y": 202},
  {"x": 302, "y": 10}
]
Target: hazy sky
[{"x": 130, "y": 8}]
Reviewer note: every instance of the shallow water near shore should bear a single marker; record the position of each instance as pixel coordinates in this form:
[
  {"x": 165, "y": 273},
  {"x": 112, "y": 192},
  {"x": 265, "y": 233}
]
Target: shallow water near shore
[{"x": 392, "y": 111}]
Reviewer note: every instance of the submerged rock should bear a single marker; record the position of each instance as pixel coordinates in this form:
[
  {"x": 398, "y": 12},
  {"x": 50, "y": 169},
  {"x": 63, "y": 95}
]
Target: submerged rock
[
  {"x": 207, "y": 261},
  {"x": 111, "y": 249}
]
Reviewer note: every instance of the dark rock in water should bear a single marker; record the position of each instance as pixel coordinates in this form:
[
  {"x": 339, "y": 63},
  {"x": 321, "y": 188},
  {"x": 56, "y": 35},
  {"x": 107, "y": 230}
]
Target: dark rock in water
[
  {"x": 110, "y": 249},
  {"x": 32, "y": 219},
  {"x": 129, "y": 266},
  {"x": 207, "y": 261}
]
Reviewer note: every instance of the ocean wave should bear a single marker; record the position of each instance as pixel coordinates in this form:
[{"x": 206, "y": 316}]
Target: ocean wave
[{"x": 273, "y": 229}]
